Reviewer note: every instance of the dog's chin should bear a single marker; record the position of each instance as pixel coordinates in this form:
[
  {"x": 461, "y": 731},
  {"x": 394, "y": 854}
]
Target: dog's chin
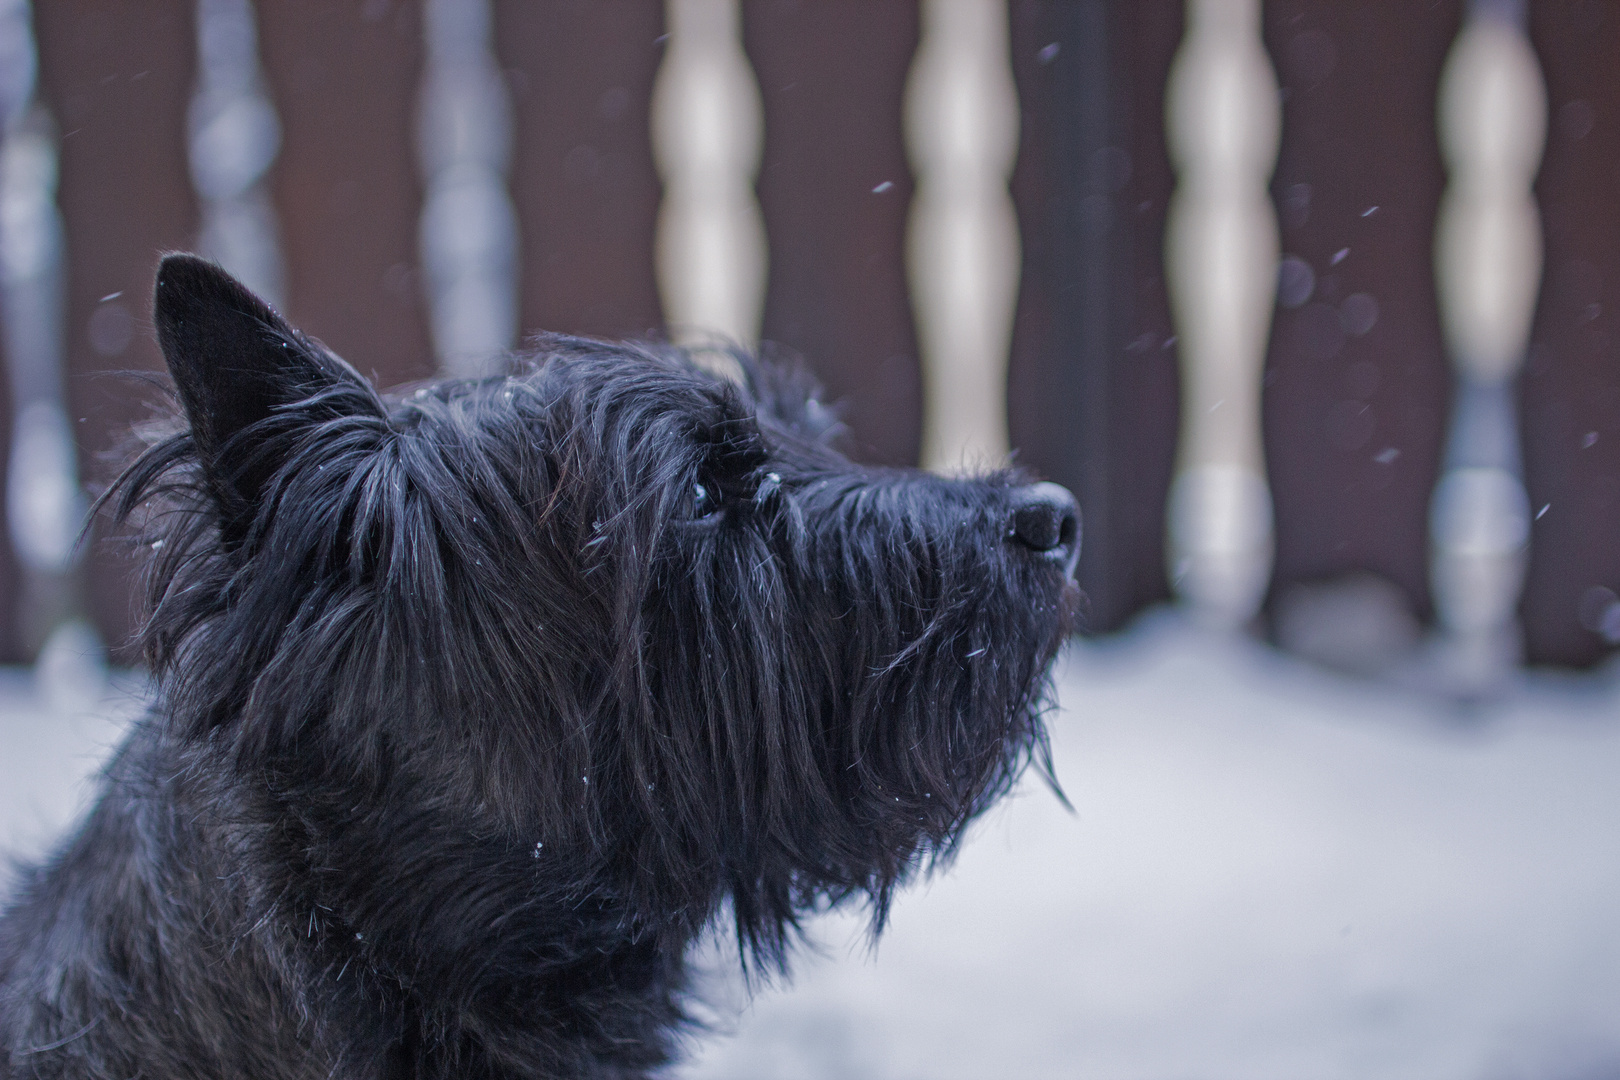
[{"x": 1072, "y": 605}]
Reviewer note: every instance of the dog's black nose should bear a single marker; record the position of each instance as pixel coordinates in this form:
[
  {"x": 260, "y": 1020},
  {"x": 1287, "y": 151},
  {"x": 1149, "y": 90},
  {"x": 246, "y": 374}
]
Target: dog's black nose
[{"x": 1046, "y": 519}]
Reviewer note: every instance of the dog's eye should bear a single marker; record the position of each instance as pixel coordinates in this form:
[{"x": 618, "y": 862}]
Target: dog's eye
[{"x": 704, "y": 500}]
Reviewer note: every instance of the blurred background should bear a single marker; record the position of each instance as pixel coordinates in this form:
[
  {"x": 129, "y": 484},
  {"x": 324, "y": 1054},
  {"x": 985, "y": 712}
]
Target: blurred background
[{"x": 1309, "y": 302}]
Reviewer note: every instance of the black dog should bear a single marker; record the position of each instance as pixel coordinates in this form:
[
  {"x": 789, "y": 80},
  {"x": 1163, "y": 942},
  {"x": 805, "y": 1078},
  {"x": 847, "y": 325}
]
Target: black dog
[{"x": 477, "y": 705}]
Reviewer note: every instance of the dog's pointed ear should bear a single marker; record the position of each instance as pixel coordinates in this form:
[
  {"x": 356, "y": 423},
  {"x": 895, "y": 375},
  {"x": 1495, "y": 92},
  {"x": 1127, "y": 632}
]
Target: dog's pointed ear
[{"x": 235, "y": 362}]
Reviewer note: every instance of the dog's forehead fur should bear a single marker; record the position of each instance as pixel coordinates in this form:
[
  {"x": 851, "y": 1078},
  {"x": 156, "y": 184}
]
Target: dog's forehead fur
[{"x": 652, "y": 412}]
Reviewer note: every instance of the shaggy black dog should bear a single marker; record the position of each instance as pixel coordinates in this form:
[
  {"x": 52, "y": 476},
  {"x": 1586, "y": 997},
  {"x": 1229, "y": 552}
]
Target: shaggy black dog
[{"x": 475, "y": 706}]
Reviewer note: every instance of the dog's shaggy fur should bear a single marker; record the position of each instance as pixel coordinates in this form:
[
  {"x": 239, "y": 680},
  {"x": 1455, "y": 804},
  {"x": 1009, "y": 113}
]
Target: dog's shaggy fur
[{"x": 475, "y": 706}]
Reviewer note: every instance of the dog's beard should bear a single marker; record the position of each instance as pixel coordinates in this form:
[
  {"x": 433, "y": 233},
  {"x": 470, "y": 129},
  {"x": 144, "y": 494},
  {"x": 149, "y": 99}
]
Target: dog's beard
[{"x": 869, "y": 663}]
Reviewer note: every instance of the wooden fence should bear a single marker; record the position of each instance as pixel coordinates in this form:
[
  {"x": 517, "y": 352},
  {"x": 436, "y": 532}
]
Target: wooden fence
[{"x": 1355, "y": 394}]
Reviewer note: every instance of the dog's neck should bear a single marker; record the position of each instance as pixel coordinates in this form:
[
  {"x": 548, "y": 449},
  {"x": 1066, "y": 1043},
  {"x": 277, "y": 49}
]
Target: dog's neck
[{"x": 381, "y": 944}]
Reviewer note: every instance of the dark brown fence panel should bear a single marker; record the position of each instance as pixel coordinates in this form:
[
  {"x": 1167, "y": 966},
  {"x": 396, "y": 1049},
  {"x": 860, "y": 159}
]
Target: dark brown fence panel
[
  {"x": 1093, "y": 386},
  {"x": 344, "y": 79},
  {"x": 835, "y": 189},
  {"x": 1571, "y": 386},
  {"x": 118, "y": 78},
  {"x": 583, "y": 180},
  {"x": 1357, "y": 380}
]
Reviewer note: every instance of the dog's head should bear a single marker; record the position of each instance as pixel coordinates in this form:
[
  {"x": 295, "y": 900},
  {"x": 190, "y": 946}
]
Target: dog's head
[{"x": 609, "y": 612}]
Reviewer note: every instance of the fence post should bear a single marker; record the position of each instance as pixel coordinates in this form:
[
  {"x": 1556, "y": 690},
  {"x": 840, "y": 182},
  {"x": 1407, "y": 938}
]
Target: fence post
[
  {"x": 45, "y": 506},
  {"x": 469, "y": 231},
  {"x": 1221, "y": 250},
  {"x": 1488, "y": 250},
  {"x": 708, "y": 132},
  {"x": 962, "y": 239},
  {"x": 234, "y": 137}
]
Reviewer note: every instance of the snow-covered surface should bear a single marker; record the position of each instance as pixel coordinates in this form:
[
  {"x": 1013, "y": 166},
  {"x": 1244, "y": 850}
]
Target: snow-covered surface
[
  {"x": 1273, "y": 872},
  {"x": 51, "y": 753}
]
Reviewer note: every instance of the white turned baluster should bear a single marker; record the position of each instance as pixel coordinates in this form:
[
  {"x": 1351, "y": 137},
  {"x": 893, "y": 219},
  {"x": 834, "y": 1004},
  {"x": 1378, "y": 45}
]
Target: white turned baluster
[
  {"x": 44, "y": 504},
  {"x": 708, "y": 131},
  {"x": 1222, "y": 119},
  {"x": 45, "y": 509},
  {"x": 962, "y": 241},
  {"x": 234, "y": 138},
  {"x": 469, "y": 230},
  {"x": 1493, "y": 119}
]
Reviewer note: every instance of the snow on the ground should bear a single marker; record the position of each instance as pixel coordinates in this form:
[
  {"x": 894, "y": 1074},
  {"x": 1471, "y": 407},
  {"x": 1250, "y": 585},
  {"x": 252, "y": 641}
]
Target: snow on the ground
[
  {"x": 1273, "y": 872},
  {"x": 50, "y": 757}
]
